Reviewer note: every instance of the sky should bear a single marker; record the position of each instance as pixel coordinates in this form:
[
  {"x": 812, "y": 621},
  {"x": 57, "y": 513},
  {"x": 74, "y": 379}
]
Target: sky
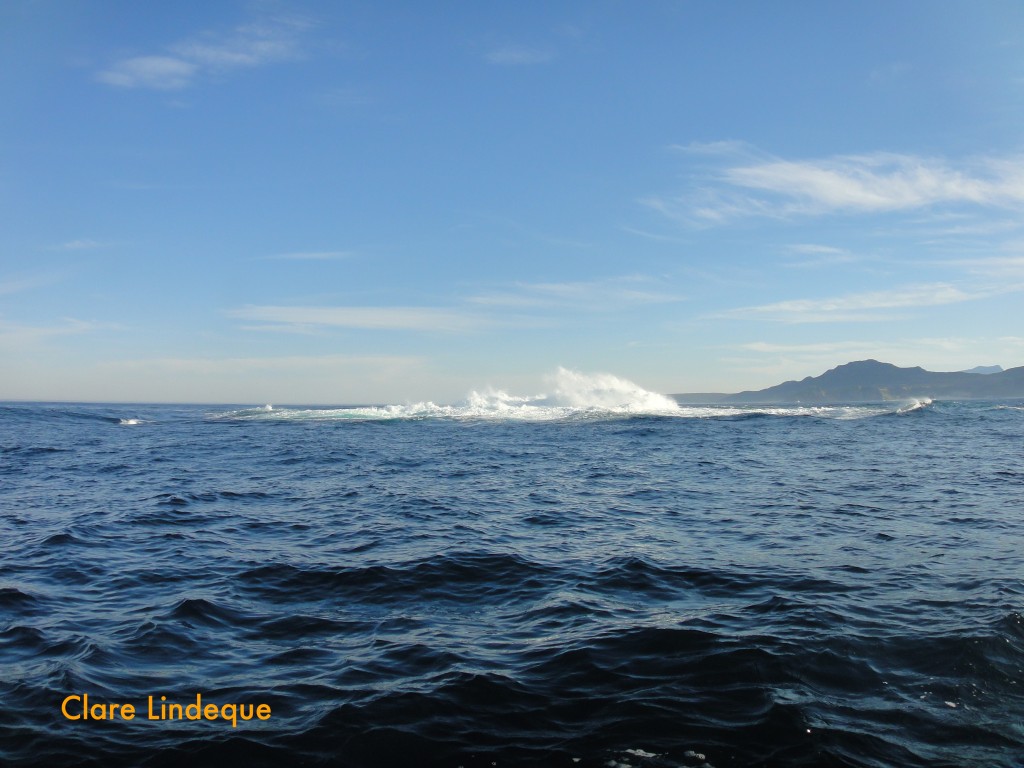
[{"x": 365, "y": 202}]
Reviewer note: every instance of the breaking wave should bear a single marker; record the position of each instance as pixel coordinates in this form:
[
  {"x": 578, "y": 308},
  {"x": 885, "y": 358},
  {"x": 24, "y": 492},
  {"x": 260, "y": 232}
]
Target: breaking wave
[
  {"x": 572, "y": 395},
  {"x": 916, "y": 404}
]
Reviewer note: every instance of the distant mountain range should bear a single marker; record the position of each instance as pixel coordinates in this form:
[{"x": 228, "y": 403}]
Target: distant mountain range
[{"x": 872, "y": 381}]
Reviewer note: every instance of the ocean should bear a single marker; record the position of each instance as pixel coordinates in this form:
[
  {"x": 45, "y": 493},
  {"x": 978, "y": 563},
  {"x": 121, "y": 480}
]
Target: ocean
[{"x": 600, "y": 579}]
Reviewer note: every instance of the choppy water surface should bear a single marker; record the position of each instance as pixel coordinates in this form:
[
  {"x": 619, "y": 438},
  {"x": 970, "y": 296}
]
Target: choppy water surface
[{"x": 516, "y": 582}]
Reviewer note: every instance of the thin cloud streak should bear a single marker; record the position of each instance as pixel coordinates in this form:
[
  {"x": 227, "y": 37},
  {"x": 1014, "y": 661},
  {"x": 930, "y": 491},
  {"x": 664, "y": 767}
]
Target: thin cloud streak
[
  {"x": 815, "y": 249},
  {"x": 287, "y": 364},
  {"x": 250, "y": 45},
  {"x": 816, "y": 256},
  {"x": 655, "y": 236},
  {"x": 19, "y": 285},
  {"x": 329, "y": 378},
  {"x": 312, "y": 256},
  {"x": 871, "y": 183},
  {"x": 860, "y": 349},
  {"x": 162, "y": 73},
  {"x": 992, "y": 266},
  {"x": 247, "y": 46},
  {"x": 13, "y": 334},
  {"x": 518, "y": 55},
  {"x": 596, "y": 296},
  {"x": 82, "y": 244},
  {"x": 367, "y": 318},
  {"x": 863, "y": 307},
  {"x": 845, "y": 184}
]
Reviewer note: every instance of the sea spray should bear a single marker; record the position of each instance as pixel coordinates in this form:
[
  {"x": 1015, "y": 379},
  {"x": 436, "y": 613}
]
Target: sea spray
[
  {"x": 603, "y": 391},
  {"x": 573, "y": 395},
  {"x": 915, "y": 404}
]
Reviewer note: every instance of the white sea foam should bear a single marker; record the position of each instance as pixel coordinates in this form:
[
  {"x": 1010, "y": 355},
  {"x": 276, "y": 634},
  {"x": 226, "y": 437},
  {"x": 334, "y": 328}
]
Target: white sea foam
[
  {"x": 129, "y": 422},
  {"x": 572, "y": 395},
  {"x": 915, "y": 404},
  {"x": 603, "y": 391}
]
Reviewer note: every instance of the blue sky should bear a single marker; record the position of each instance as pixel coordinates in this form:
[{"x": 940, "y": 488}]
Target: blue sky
[{"x": 348, "y": 202}]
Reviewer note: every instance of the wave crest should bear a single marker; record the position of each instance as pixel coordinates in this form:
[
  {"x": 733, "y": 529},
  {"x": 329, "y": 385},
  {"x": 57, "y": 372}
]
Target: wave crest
[
  {"x": 603, "y": 391},
  {"x": 573, "y": 395},
  {"x": 915, "y": 404}
]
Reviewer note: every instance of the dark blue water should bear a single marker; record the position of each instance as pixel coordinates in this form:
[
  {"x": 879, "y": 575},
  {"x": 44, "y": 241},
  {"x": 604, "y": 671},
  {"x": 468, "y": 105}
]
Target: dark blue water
[{"x": 719, "y": 587}]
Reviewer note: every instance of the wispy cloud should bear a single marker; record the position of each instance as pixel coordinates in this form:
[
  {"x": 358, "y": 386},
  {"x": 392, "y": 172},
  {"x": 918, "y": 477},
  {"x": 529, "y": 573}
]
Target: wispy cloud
[
  {"x": 286, "y": 364},
  {"x": 658, "y": 236},
  {"x": 859, "y": 348},
  {"x": 312, "y": 256},
  {"x": 280, "y": 318},
  {"x": 812, "y": 248},
  {"x": 847, "y": 184},
  {"x": 725, "y": 148},
  {"x": 178, "y": 66},
  {"x": 518, "y": 55},
  {"x": 864, "y": 307},
  {"x": 521, "y": 305},
  {"x": 877, "y": 182},
  {"x": 1003, "y": 267},
  {"x": 14, "y": 334},
  {"x": 164, "y": 73},
  {"x": 810, "y": 255},
  {"x": 344, "y": 97},
  {"x": 889, "y": 72},
  {"x": 969, "y": 227},
  {"x": 330, "y": 378},
  {"x": 250, "y": 45},
  {"x": 596, "y": 295},
  {"x": 82, "y": 244},
  {"x": 20, "y": 284}
]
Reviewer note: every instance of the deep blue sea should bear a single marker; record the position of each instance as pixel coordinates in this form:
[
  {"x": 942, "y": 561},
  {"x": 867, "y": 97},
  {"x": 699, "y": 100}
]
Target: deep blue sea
[{"x": 512, "y": 582}]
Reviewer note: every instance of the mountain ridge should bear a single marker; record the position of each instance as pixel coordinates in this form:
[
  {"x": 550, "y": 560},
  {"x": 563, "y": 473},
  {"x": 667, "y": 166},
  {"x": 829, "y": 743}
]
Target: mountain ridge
[{"x": 874, "y": 381}]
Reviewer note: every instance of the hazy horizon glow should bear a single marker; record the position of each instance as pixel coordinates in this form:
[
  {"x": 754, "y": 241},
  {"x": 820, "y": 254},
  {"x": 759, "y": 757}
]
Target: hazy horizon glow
[{"x": 301, "y": 202}]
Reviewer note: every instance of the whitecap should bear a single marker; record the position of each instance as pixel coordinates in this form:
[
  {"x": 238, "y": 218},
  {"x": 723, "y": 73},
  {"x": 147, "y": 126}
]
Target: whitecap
[
  {"x": 915, "y": 404},
  {"x": 571, "y": 395}
]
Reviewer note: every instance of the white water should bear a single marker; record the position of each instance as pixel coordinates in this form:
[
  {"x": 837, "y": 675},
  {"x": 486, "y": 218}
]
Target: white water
[
  {"x": 603, "y": 391},
  {"x": 572, "y": 395},
  {"x": 915, "y": 405}
]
